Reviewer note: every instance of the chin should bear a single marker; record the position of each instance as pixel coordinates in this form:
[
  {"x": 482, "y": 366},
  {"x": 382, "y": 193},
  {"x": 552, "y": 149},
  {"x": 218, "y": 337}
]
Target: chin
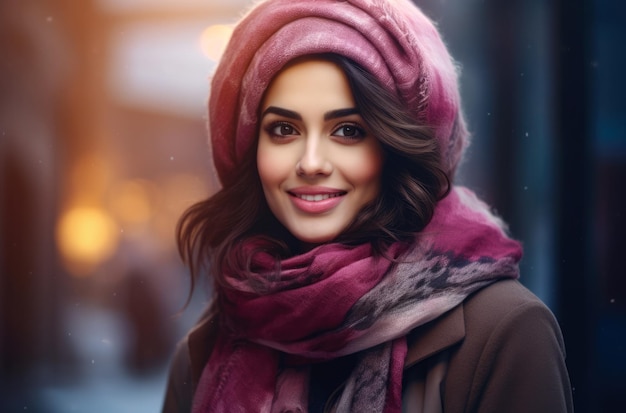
[
  {"x": 316, "y": 240},
  {"x": 313, "y": 240}
]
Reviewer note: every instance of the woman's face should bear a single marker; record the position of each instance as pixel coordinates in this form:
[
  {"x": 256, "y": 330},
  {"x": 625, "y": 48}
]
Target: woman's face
[{"x": 318, "y": 163}]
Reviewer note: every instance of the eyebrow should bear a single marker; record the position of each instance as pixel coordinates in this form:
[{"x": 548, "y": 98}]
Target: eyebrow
[
  {"x": 333, "y": 114},
  {"x": 282, "y": 112},
  {"x": 340, "y": 113}
]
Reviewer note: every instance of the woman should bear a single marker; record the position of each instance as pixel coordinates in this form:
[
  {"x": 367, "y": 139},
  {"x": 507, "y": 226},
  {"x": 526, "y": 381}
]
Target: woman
[{"x": 350, "y": 275}]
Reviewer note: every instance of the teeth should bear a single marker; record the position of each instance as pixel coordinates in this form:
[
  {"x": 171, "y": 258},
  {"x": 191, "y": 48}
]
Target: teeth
[{"x": 316, "y": 198}]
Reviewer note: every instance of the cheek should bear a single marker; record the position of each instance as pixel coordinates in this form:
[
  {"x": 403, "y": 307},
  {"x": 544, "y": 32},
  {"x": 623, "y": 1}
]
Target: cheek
[
  {"x": 366, "y": 168},
  {"x": 269, "y": 165}
]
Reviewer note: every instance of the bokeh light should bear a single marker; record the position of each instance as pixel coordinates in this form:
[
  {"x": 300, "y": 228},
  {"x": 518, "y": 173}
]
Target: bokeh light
[
  {"x": 132, "y": 201},
  {"x": 86, "y": 236},
  {"x": 214, "y": 39}
]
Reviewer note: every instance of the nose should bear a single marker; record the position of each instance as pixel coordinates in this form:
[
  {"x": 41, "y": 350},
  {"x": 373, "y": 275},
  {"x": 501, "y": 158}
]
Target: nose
[{"x": 314, "y": 161}]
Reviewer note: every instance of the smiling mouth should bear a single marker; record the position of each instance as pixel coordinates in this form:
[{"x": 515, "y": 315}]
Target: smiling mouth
[
  {"x": 317, "y": 197},
  {"x": 316, "y": 201}
]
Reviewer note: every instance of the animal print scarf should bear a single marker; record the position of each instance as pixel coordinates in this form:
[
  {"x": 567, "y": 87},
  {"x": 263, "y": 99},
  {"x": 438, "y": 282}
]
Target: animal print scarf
[{"x": 338, "y": 300}]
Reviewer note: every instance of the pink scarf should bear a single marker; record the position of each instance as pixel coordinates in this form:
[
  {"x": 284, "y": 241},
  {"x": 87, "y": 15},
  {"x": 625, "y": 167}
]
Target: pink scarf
[{"x": 336, "y": 300}]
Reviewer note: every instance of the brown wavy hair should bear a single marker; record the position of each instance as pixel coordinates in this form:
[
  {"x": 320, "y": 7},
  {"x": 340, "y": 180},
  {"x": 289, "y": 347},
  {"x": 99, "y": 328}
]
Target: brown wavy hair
[{"x": 209, "y": 232}]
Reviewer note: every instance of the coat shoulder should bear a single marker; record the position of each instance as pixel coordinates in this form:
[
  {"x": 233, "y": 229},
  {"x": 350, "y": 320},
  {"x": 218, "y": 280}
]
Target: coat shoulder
[
  {"x": 512, "y": 357},
  {"x": 501, "y": 303},
  {"x": 179, "y": 389},
  {"x": 190, "y": 357}
]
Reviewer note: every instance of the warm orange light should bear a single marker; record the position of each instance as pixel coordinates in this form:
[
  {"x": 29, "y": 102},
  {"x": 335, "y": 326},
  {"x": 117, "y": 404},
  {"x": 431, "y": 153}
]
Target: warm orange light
[
  {"x": 180, "y": 191},
  {"x": 132, "y": 201},
  {"x": 86, "y": 236},
  {"x": 214, "y": 39},
  {"x": 90, "y": 174}
]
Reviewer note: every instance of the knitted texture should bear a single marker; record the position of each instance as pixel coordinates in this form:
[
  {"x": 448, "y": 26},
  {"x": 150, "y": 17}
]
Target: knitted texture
[{"x": 391, "y": 39}]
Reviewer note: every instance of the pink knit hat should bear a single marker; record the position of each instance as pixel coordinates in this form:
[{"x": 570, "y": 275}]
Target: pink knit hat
[{"x": 391, "y": 39}]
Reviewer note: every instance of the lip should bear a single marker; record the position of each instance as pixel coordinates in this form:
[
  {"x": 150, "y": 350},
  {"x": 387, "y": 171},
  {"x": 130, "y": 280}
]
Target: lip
[{"x": 316, "y": 199}]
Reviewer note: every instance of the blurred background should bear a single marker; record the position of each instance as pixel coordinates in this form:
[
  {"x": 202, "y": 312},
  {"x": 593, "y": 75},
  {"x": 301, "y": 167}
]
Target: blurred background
[{"x": 103, "y": 145}]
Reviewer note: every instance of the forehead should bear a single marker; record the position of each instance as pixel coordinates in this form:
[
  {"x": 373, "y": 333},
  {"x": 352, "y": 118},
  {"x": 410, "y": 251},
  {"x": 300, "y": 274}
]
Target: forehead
[{"x": 315, "y": 81}]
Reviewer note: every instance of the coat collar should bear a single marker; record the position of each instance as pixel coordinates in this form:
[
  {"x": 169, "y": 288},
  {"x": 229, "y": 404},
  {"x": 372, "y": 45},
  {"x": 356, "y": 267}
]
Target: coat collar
[
  {"x": 200, "y": 342},
  {"x": 436, "y": 336}
]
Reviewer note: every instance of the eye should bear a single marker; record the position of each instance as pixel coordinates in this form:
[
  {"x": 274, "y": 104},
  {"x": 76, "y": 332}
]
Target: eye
[
  {"x": 350, "y": 130},
  {"x": 280, "y": 129}
]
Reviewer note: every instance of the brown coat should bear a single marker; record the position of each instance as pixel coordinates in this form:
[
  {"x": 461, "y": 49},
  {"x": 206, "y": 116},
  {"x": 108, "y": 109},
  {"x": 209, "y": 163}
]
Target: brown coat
[{"x": 502, "y": 351}]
